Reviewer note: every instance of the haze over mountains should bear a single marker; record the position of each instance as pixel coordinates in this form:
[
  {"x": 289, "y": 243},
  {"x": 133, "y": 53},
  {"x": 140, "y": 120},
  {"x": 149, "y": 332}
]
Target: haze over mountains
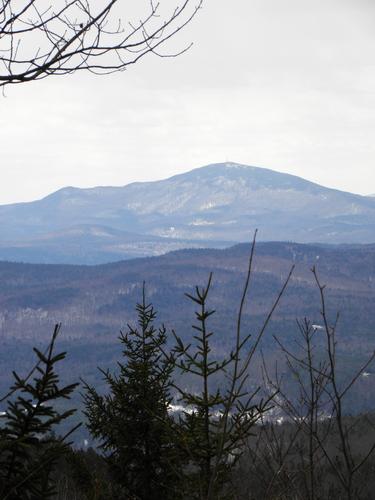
[{"x": 212, "y": 206}]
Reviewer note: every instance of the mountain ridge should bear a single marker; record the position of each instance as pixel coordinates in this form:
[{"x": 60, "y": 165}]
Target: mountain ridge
[
  {"x": 216, "y": 167},
  {"x": 229, "y": 165},
  {"x": 214, "y": 205}
]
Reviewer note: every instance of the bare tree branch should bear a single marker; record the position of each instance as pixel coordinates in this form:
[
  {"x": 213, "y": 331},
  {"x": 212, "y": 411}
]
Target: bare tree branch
[{"x": 37, "y": 41}]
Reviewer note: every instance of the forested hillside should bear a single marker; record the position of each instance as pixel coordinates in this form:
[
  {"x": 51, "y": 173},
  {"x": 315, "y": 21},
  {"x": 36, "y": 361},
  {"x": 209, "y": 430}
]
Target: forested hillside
[{"x": 94, "y": 303}]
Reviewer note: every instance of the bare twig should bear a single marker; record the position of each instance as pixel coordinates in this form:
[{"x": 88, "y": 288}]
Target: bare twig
[{"x": 72, "y": 35}]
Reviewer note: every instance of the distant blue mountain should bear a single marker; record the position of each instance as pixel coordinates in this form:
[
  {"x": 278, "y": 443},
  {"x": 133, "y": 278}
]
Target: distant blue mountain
[{"x": 209, "y": 206}]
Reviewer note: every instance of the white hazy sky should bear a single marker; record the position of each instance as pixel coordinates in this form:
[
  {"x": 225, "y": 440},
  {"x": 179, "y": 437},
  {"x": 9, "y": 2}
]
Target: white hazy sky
[{"x": 283, "y": 84}]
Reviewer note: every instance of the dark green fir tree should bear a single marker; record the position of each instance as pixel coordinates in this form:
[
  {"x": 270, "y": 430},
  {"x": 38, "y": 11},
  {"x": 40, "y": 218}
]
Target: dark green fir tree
[
  {"x": 131, "y": 421},
  {"x": 29, "y": 451}
]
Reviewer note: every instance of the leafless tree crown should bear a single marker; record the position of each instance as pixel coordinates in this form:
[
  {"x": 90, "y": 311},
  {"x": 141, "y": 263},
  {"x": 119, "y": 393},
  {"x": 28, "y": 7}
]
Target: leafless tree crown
[{"x": 38, "y": 39}]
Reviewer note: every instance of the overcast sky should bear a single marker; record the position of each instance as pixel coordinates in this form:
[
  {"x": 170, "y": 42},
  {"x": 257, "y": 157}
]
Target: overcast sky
[{"x": 283, "y": 84}]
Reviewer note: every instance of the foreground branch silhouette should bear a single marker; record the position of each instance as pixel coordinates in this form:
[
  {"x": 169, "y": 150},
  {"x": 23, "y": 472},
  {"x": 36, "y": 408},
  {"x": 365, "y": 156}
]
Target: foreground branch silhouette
[
  {"x": 38, "y": 39},
  {"x": 314, "y": 453},
  {"x": 219, "y": 419}
]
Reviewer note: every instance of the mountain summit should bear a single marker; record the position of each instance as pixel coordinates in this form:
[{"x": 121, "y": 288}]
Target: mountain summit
[{"x": 208, "y": 206}]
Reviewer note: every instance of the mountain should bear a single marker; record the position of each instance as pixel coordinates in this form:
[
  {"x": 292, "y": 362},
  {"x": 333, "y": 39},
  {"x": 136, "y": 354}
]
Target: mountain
[
  {"x": 209, "y": 206},
  {"x": 95, "y": 302}
]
